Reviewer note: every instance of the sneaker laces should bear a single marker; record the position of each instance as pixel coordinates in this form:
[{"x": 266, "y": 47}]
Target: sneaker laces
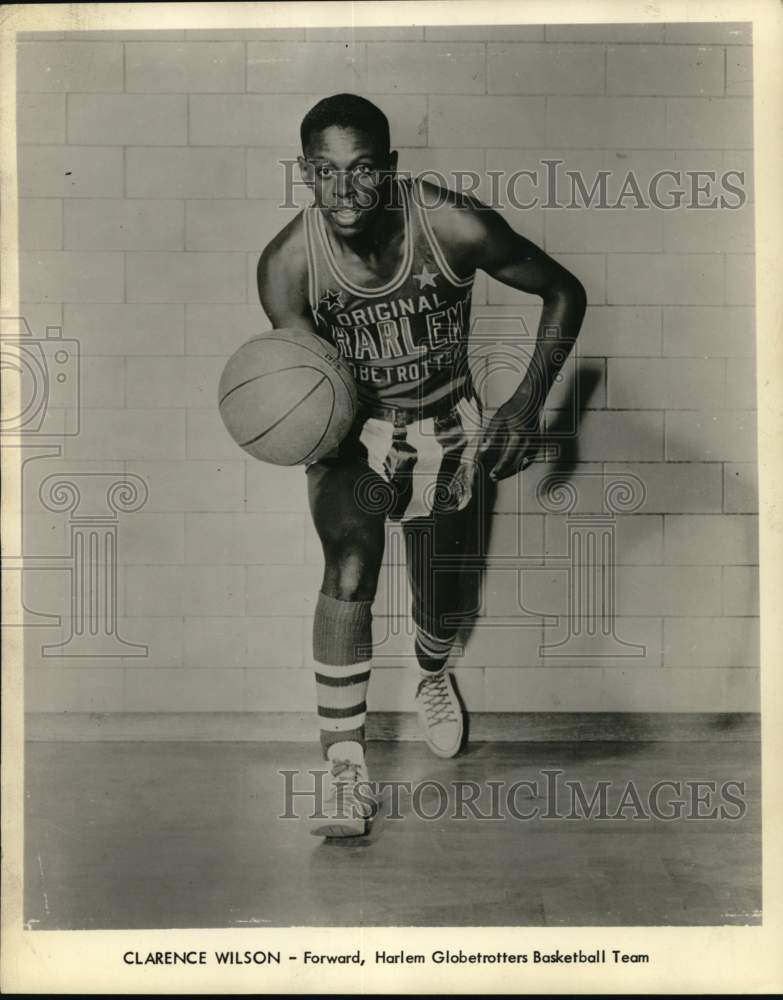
[
  {"x": 438, "y": 705},
  {"x": 346, "y": 775},
  {"x": 346, "y": 772}
]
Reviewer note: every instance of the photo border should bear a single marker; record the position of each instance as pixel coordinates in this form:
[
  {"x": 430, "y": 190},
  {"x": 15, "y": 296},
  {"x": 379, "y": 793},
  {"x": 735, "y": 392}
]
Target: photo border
[{"x": 683, "y": 959}]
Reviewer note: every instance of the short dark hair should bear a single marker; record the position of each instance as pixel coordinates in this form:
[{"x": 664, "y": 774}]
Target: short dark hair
[{"x": 346, "y": 111}]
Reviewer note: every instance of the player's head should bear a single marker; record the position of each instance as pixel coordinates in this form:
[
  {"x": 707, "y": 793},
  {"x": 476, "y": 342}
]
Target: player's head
[{"x": 347, "y": 158}]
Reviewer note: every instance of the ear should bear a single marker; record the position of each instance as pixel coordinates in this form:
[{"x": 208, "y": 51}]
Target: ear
[
  {"x": 306, "y": 171},
  {"x": 393, "y": 161}
]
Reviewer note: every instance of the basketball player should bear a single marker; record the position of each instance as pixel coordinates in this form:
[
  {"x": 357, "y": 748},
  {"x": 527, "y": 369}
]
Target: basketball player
[{"x": 383, "y": 268}]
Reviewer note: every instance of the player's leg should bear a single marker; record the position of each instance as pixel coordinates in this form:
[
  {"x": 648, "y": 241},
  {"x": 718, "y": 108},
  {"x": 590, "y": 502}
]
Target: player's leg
[
  {"x": 435, "y": 549},
  {"x": 435, "y": 552},
  {"x": 352, "y": 536},
  {"x": 448, "y": 491}
]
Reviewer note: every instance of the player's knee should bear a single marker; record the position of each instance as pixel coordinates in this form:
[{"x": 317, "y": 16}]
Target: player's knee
[{"x": 351, "y": 576}]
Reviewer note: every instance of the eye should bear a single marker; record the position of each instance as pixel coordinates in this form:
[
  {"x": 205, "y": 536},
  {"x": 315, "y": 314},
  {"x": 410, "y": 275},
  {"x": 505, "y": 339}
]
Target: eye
[
  {"x": 324, "y": 171},
  {"x": 365, "y": 175}
]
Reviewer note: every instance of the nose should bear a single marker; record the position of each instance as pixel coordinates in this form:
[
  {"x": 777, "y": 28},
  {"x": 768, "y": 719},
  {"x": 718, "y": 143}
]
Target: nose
[{"x": 344, "y": 188}]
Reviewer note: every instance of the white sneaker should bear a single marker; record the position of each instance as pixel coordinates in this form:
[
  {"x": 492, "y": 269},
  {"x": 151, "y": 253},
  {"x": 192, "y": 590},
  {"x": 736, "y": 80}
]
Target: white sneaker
[
  {"x": 348, "y": 807},
  {"x": 440, "y": 714}
]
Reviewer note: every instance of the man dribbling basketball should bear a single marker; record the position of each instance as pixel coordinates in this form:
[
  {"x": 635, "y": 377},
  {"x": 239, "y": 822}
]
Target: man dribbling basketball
[{"x": 383, "y": 268}]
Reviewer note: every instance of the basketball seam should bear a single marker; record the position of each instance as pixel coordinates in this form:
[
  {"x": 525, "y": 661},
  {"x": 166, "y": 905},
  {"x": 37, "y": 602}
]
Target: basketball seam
[
  {"x": 352, "y": 394},
  {"x": 347, "y": 386},
  {"x": 277, "y": 371},
  {"x": 285, "y": 416},
  {"x": 335, "y": 368},
  {"x": 326, "y": 428}
]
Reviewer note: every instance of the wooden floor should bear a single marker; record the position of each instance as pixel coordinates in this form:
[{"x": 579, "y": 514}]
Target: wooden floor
[{"x": 156, "y": 835}]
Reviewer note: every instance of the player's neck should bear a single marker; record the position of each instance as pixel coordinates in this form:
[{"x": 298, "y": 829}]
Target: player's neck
[{"x": 387, "y": 226}]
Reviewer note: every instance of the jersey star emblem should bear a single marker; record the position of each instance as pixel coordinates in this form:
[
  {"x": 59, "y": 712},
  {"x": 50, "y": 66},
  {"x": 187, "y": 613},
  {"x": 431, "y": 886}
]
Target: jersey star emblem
[
  {"x": 332, "y": 300},
  {"x": 424, "y": 277}
]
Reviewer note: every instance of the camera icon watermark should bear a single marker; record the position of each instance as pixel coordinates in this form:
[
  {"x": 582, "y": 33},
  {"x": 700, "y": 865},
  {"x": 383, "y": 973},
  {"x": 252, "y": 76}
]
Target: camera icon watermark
[
  {"x": 47, "y": 373},
  {"x": 41, "y": 381}
]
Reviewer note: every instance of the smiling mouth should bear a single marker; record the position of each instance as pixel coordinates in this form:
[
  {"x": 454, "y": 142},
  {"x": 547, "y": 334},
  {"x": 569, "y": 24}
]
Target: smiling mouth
[{"x": 346, "y": 216}]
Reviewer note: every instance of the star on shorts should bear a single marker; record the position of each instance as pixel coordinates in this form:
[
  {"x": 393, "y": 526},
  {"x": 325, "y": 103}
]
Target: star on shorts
[
  {"x": 332, "y": 300},
  {"x": 424, "y": 277}
]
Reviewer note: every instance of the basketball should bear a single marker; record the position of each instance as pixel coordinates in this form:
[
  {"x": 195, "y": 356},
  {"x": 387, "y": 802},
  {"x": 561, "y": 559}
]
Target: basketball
[{"x": 287, "y": 397}]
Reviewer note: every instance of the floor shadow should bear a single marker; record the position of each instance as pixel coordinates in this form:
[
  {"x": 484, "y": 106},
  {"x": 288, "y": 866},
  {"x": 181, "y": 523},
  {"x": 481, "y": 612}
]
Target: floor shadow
[
  {"x": 559, "y": 435},
  {"x": 560, "y": 443}
]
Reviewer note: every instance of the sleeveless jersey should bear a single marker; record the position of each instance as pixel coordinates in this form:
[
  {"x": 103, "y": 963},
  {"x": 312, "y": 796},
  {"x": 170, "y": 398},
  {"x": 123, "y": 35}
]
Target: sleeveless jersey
[{"x": 405, "y": 340}]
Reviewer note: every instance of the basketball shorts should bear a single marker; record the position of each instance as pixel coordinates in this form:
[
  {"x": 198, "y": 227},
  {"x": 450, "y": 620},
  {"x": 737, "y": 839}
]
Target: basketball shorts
[{"x": 427, "y": 464}]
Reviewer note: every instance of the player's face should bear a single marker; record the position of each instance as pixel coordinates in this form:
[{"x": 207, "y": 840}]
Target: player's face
[{"x": 348, "y": 174}]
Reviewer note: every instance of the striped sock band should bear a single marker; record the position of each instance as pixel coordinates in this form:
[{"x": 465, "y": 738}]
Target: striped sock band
[
  {"x": 342, "y": 646},
  {"x": 342, "y": 703},
  {"x": 431, "y": 652}
]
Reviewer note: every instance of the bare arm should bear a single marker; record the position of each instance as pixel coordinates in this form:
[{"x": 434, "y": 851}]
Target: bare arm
[
  {"x": 514, "y": 260},
  {"x": 282, "y": 280},
  {"x": 481, "y": 239}
]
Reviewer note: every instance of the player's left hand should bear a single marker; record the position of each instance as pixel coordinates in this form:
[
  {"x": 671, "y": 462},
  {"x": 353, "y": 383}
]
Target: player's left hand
[{"x": 511, "y": 439}]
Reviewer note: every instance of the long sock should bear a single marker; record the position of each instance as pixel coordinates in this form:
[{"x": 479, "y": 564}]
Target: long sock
[
  {"x": 342, "y": 645},
  {"x": 431, "y": 651}
]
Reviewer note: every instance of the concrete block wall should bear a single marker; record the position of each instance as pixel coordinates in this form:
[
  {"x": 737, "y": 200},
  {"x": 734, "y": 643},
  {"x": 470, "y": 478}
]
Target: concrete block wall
[{"x": 149, "y": 184}]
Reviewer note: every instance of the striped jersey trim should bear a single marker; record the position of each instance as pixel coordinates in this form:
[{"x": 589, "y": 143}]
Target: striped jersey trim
[
  {"x": 405, "y": 267},
  {"x": 312, "y": 267},
  {"x": 435, "y": 246}
]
